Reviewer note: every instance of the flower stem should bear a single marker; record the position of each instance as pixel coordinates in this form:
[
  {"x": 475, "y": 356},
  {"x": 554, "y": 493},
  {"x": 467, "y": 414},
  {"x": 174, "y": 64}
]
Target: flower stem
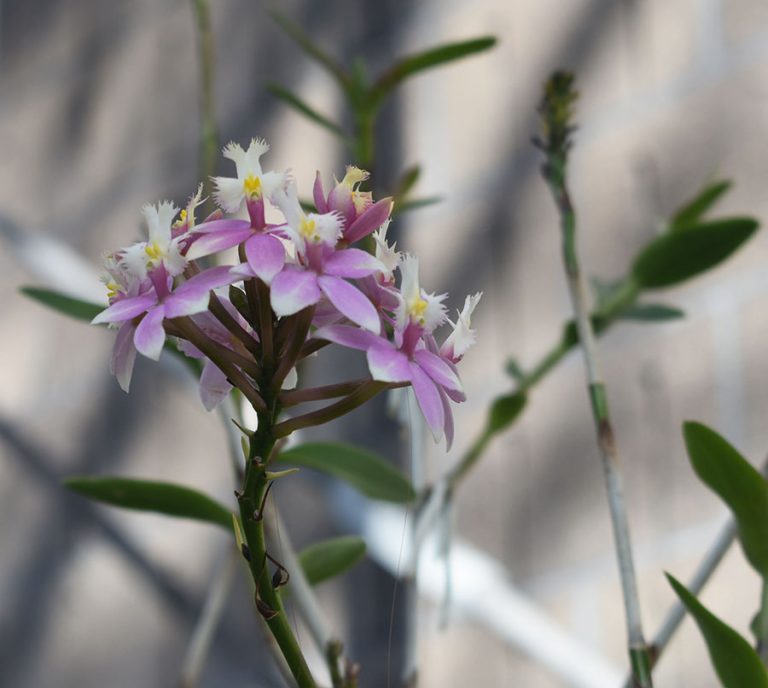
[
  {"x": 556, "y": 113},
  {"x": 268, "y": 602},
  {"x": 363, "y": 393},
  {"x": 221, "y": 356}
]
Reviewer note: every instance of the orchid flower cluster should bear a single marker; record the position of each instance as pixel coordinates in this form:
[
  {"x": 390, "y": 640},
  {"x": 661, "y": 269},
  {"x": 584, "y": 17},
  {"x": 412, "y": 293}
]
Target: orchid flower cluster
[{"x": 299, "y": 283}]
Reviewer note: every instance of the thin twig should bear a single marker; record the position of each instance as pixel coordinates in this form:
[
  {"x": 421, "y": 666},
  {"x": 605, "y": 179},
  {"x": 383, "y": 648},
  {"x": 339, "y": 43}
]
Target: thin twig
[
  {"x": 301, "y": 592},
  {"x": 410, "y": 575},
  {"x": 203, "y": 634},
  {"x": 556, "y": 112},
  {"x": 208, "y": 131}
]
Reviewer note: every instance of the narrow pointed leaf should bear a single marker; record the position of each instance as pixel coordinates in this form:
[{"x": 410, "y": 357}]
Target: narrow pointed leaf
[
  {"x": 692, "y": 212},
  {"x": 736, "y": 663},
  {"x": 419, "y": 62},
  {"x": 407, "y": 182},
  {"x": 505, "y": 410},
  {"x": 311, "y": 48},
  {"x": 307, "y": 110},
  {"x": 362, "y": 469},
  {"x": 329, "y": 558},
  {"x": 68, "y": 305},
  {"x": 146, "y": 495},
  {"x": 677, "y": 256},
  {"x": 651, "y": 312},
  {"x": 415, "y": 204},
  {"x": 738, "y": 484},
  {"x": 514, "y": 370}
]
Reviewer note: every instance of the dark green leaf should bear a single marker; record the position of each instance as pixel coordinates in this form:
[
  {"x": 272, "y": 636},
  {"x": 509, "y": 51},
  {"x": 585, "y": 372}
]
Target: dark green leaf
[
  {"x": 571, "y": 333},
  {"x": 407, "y": 182},
  {"x": 311, "y": 48},
  {"x": 677, "y": 256},
  {"x": 691, "y": 212},
  {"x": 308, "y": 111},
  {"x": 68, "y": 305},
  {"x": 434, "y": 57},
  {"x": 504, "y": 411},
  {"x": 651, "y": 312},
  {"x": 362, "y": 469},
  {"x": 329, "y": 558},
  {"x": 737, "y": 483},
  {"x": 736, "y": 663},
  {"x": 415, "y": 204},
  {"x": 605, "y": 291},
  {"x": 146, "y": 495},
  {"x": 307, "y": 206},
  {"x": 514, "y": 370}
]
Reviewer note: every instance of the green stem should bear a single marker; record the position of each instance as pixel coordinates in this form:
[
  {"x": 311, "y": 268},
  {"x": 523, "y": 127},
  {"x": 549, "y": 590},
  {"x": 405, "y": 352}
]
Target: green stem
[
  {"x": 251, "y": 502},
  {"x": 640, "y": 657},
  {"x": 208, "y": 133},
  {"x": 763, "y": 641}
]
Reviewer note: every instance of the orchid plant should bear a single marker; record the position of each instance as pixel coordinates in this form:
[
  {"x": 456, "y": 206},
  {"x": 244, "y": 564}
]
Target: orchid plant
[{"x": 299, "y": 284}]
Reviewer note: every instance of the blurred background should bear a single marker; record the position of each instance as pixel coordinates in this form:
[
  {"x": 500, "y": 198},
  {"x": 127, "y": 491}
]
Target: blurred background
[{"x": 99, "y": 115}]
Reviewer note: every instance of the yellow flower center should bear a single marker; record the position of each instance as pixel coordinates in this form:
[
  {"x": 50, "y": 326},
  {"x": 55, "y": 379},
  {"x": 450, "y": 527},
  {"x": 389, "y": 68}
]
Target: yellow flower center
[
  {"x": 182, "y": 219},
  {"x": 309, "y": 229},
  {"x": 417, "y": 308},
  {"x": 154, "y": 251},
  {"x": 252, "y": 186},
  {"x": 113, "y": 289}
]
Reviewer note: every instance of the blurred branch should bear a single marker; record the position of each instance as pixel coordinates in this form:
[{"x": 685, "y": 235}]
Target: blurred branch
[
  {"x": 209, "y": 144},
  {"x": 556, "y": 111},
  {"x": 203, "y": 634}
]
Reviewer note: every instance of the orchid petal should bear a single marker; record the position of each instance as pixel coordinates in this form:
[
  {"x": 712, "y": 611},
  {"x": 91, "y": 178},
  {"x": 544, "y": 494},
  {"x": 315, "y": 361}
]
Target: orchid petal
[
  {"x": 293, "y": 290},
  {"x": 351, "y": 302},
  {"x": 448, "y": 426},
  {"x": 214, "y": 241},
  {"x": 318, "y": 194},
  {"x": 266, "y": 256},
  {"x": 372, "y": 218},
  {"x": 428, "y": 396},
  {"x": 229, "y": 193},
  {"x": 351, "y": 337},
  {"x": 150, "y": 335},
  {"x": 123, "y": 355},
  {"x": 351, "y": 262},
  {"x": 214, "y": 386},
  {"x": 387, "y": 364},
  {"x": 438, "y": 370},
  {"x": 222, "y": 225},
  {"x": 126, "y": 309},
  {"x": 193, "y": 296}
]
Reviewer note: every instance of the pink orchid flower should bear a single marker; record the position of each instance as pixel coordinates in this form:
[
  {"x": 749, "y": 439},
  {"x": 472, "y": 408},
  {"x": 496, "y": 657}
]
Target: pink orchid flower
[{"x": 321, "y": 268}]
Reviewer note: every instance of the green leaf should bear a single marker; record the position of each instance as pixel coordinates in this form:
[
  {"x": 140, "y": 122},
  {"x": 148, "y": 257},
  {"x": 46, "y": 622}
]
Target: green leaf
[
  {"x": 737, "y": 483},
  {"x": 736, "y": 663},
  {"x": 677, "y": 256},
  {"x": 362, "y": 469},
  {"x": 691, "y": 212},
  {"x": 307, "y": 110},
  {"x": 329, "y": 558},
  {"x": 407, "y": 181},
  {"x": 419, "y": 62},
  {"x": 415, "y": 204},
  {"x": 145, "y": 495},
  {"x": 311, "y": 48},
  {"x": 68, "y": 305},
  {"x": 514, "y": 370},
  {"x": 651, "y": 312},
  {"x": 504, "y": 411}
]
